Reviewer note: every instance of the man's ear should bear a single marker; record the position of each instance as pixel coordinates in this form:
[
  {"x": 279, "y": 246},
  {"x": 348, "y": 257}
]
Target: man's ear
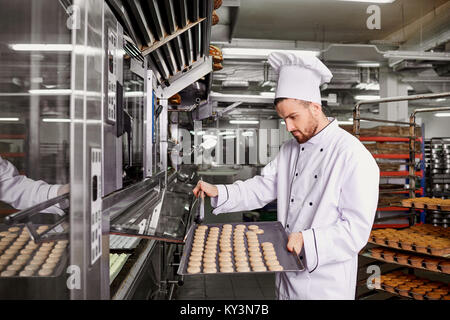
[{"x": 317, "y": 108}]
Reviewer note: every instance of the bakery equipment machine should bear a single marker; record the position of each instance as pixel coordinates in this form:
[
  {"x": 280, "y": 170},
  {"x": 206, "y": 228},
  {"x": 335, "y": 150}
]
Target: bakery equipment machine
[{"x": 127, "y": 59}]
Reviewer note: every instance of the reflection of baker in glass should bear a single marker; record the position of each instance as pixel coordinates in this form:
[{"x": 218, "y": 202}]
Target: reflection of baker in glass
[
  {"x": 21, "y": 192},
  {"x": 325, "y": 183}
]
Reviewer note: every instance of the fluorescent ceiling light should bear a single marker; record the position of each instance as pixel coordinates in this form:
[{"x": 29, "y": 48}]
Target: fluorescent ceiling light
[
  {"x": 229, "y": 137},
  {"x": 235, "y": 84},
  {"x": 247, "y": 134},
  {"x": 370, "y": 1},
  {"x": 368, "y": 86},
  {"x": 55, "y": 120},
  {"x": 368, "y": 64},
  {"x": 50, "y": 92},
  {"x": 209, "y": 137},
  {"x": 134, "y": 94},
  {"x": 367, "y": 97},
  {"x": 255, "y": 53},
  {"x": 226, "y": 133},
  {"x": 199, "y": 133},
  {"x": 442, "y": 114},
  {"x": 244, "y": 121},
  {"x": 40, "y": 47},
  {"x": 344, "y": 122},
  {"x": 268, "y": 94},
  {"x": 9, "y": 119},
  {"x": 440, "y": 99}
]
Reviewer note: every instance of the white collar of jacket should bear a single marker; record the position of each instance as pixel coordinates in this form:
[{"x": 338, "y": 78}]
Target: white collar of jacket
[{"x": 320, "y": 136}]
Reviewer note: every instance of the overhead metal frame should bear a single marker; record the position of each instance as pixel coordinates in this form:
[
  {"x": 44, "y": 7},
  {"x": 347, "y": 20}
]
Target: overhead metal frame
[{"x": 175, "y": 35}]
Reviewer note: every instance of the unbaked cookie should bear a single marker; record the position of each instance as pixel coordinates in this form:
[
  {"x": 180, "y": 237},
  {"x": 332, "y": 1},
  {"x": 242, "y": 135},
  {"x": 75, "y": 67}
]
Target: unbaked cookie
[
  {"x": 241, "y": 263},
  {"x": 276, "y": 268},
  {"x": 226, "y": 269},
  {"x": 8, "y": 273},
  {"x": 209, "y": 259},
  {"x": 209, "y": 270},
  {"x": 255, "y": 264},
  {"x": 225, "y": 264},
  {"x": 224, "y": 259},
  {"x": 240, "y": 258},
  {"x": 195, "y": 258},
  {"x": 270, "y": 257},
  {"x": 270, "y": 244},
  {"x": 259, "y": 269},
  {"x": 189, "y": 270},
  {"x": 45, "y": 272},
  {"x": 194, "y": 264},
  {"x": 272, "y": 263}
]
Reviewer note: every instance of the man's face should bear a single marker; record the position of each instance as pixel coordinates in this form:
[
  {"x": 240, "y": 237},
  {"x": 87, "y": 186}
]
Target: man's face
[{"x": 301, "y": 118}]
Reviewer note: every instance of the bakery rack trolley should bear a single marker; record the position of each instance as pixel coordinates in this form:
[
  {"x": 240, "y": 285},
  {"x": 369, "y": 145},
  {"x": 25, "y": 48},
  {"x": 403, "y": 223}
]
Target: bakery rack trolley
[
  {"x": 412, "y": 139},
  {"x": 411, "y": 175}
]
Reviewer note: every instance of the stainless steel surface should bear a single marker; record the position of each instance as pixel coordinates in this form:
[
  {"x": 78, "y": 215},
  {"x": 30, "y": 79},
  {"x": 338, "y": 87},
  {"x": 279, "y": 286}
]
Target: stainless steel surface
[
  {"x": 86, "y": 114},
  {"x": 161, "y": 216},
  {"x": 27, "y": 213},
  {"x": 111, "y": 144},
  {"x": 150, "y": 83},
  {"x": 180, "y": 81},
  {"x": 273, "y": 232},
  {"x": 125, "y": 291}
]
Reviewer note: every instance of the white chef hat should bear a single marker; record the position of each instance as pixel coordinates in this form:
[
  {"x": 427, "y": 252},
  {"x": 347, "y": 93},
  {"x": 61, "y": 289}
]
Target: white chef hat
[{"x": 299, "y": 75}]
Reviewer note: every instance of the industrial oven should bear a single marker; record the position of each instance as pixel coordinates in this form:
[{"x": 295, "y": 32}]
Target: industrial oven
[{"x": 119, "y": 232}]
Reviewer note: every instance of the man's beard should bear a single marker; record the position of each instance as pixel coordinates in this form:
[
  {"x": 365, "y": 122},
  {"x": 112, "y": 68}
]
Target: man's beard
[{"x": 303, "y": 137}]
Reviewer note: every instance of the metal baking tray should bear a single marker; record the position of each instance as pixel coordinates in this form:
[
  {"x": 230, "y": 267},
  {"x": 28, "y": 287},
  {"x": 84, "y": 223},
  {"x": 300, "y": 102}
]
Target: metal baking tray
[{"x": 273, "y": 232}]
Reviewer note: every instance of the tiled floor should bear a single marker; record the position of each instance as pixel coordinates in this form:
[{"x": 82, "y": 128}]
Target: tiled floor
[{"x": 228, "y": 287}]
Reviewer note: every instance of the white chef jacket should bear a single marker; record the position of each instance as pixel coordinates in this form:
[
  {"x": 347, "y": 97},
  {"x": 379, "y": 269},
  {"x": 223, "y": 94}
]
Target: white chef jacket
[
  {"x": 21, "y": 192},
  {"x": 327, "y": 189}
]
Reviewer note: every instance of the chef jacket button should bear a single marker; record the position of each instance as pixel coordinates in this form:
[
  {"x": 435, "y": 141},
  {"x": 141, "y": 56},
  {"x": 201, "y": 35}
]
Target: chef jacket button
[
  {"x": 321, "y": 149},
  {"x": 287, "y": 226},
  {"x": 301, "y": 257},
  {"x": 303, "y": 148},
  {"x": 292, "y": 200},
  {"x": 296, "y": 174},
  {"x": 315, "y": 176},
  {"x": 310, "y": 203}
]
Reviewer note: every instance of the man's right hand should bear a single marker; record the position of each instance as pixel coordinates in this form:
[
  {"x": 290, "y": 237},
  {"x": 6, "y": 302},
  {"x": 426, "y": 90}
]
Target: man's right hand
[{"x": 209, "y": 189}]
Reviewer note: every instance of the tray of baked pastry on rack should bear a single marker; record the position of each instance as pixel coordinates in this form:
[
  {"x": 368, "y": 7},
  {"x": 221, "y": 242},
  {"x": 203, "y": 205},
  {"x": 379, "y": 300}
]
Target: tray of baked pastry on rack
[
  {"x": 237, "y": 248},
  {"x": 20, "y": 256}
]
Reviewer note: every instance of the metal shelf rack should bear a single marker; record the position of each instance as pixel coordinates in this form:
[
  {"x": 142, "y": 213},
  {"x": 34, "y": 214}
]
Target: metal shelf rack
[{"x": 412, "y": 173}]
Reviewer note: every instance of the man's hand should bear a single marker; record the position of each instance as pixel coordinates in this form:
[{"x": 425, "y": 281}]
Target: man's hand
[
  {"x": 209, "y": 189},
  {"x": 295, "y": 242},
  {"x": 63, "y": 189}
]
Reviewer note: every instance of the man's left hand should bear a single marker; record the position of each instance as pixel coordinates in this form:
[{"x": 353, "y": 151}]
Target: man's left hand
[{"x": 295, "y": 242}]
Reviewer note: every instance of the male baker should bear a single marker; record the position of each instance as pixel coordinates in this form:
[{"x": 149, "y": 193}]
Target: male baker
[{"x": 325, "y": 182}]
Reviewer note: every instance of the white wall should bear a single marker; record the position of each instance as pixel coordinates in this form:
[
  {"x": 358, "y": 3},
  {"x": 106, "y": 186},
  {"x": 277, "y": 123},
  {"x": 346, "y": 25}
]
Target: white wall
[{"x": 434, "y": 127}]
